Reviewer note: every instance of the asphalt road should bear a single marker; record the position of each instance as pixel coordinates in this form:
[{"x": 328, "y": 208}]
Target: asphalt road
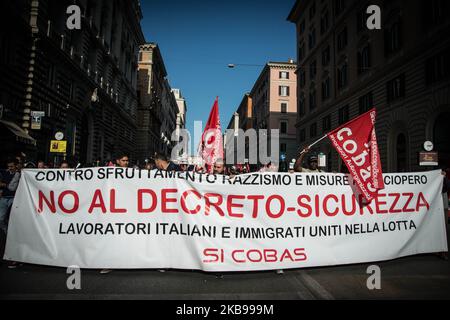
[{"x": 417, "y": 277}]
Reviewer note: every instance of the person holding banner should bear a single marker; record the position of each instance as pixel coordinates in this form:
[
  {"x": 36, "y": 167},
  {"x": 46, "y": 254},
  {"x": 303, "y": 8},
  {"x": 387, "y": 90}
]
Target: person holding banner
[
  {"x": 445, "y": 189},
  {"x": 9, "y": 181},
  {"x": 219, "y": 167},
  {"x": 122, "y": 160},
  {"x": 312, "y": 162}
]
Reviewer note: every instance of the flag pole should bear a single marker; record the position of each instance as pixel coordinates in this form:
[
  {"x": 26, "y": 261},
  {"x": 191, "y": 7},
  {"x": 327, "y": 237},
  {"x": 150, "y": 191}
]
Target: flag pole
[{"x": 313, "y": 144}]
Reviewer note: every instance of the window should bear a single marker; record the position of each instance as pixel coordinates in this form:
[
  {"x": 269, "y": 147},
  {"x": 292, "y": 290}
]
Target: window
[
  {"x": 364, "y": 59},
  {"x": 324, "y": 22},
  {"x": 283, "y": 127},
  {"x": 326, "y": 56},
  {"x": 339, "y": 6},
  {"x": 301, "y": 51},
  {"x": 396, "y": 88},
  {"x": 284, "y": 75},
  {"x": 312, "y": 11},
  {"x": 434, "y": 11},
  {"x": 326, "y": 89},
  {"x": 302, "y": 78},
  {"x": 51, "y": 73},
  {"x": 313, "y": 130},
  {"x": 284, "y": 107},
  {"x": 312, "y": 99},
  {"x": 302, "y": 135},
  {"x": 301, "y": 105},
  {"x": 7, "y": 53},
  {"x": 342, "y": 76},
  {"x": 361, "y": 19},
  {"x": 283, "y": 148},
  {"x": 365, "y": 103},
  {"x": 302, "y": 26},
  {"x": 402, "y": 154},
  {"x": 71, "y": 90},
  {"x": 71, "y": 129},
  {"x": 312, "y": 38},
  {"x": 313, "y": 70},
  {"x": 344, "y": 114},
  {"x": 392, "y": 38},
  {"x": 283, "y": 91},
  {"x": 437, "y": 68},
  {"x": 326, "y": 124},
  {"x": 342, "y": 39}
]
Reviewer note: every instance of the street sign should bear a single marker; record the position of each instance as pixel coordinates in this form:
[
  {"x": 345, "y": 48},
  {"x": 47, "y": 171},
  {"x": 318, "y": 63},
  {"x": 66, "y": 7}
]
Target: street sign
[
  {"x": 36, "y": 123},
  {"x": 36, "y": 119},
  {"x": 428, "y": 159},
  {"x": 58, "y": 146},
  {"x": 59, "y": 136},
  {"x": 428, "y": 146},
  {"x": 38, "y": 113}
]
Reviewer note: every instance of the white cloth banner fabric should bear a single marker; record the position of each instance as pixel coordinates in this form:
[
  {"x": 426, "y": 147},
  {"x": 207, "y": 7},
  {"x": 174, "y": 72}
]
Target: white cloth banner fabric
[{"x": 129, "y": 219}]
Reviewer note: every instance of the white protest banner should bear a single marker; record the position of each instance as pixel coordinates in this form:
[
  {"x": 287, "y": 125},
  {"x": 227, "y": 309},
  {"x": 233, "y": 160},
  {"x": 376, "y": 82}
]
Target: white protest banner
[{"x": 125, "y": 218}]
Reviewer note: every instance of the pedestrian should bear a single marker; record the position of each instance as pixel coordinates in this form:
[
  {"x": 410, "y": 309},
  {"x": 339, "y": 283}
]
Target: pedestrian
[
  {"x": 64, "y": 165},
  {"x": 283, "y": 166},
  {"x": 122, "y": 160},
  {"x": 149, "y": 164},
  {"x": 41, "y": 165},
  {"x": 9, "y": 181},
  {"x": 163, "y": 163},
  {"x": 312, "y": 163},
  {"x": 219, "y": 167},
  {"x": 184, "y": 166},
  {"x": 233, "y": 171},
  {"x": 8, "y": 186},
  {"x": 445, "y": 190}
]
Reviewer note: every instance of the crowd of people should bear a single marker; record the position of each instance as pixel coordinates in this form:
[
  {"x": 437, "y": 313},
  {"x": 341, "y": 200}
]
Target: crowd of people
[{"x": 9, "y": 177}]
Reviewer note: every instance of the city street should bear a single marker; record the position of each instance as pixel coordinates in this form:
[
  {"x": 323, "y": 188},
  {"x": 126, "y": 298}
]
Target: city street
[
  {"x": 418, "y": 277},
  {"x": 303, "y": 135}
]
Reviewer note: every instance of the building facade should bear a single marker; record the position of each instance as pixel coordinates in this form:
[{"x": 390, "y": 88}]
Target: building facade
[
  {"x": 84, "y": 81},
  {"x": 345, "y": 69},
  {"x": 169, "y": 125},
  {"x": 181, "y": 117},
  {"x": 182, "y": 107},
  {"x": 242, "y": 119},
  {"x": 158, "y": 108},
  {"x": 14, "y": 61},
  {"x": 274, "y": 104}
]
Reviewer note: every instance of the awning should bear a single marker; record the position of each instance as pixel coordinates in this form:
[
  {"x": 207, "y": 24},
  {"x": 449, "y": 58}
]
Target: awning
[{"x": 20, "y": 134}]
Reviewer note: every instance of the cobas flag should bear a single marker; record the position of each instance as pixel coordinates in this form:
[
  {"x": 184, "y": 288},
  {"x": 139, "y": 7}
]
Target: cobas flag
[
  {"x": 356, "y": 143},
  {"x": 211, "y": 145}
]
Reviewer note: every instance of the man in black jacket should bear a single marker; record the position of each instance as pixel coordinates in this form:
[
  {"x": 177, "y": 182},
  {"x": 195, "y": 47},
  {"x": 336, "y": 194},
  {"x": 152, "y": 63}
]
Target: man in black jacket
[{"x": 9, "y": 181}]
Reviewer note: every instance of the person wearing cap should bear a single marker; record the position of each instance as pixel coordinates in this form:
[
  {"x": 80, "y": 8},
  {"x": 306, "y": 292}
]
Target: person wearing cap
[{"x": 312, "y": 163}]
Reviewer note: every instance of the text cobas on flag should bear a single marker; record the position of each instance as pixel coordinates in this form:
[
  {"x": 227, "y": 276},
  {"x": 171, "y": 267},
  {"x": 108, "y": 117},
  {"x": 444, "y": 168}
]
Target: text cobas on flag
[{"x": 356, "y": 143}]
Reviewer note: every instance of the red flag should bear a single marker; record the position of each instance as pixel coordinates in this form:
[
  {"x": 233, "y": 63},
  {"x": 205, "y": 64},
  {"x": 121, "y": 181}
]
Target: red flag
[
  {"x": 356, "y": 143},
  {"x": 211, "y": 145}
]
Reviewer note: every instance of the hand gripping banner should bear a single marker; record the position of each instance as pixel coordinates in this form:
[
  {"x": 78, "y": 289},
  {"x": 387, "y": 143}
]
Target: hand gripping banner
[{"x": 124, "y": 219}]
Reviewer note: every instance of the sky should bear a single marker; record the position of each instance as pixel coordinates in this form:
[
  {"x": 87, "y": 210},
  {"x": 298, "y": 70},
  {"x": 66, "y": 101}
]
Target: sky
[{"x": 199, "y": 38}]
